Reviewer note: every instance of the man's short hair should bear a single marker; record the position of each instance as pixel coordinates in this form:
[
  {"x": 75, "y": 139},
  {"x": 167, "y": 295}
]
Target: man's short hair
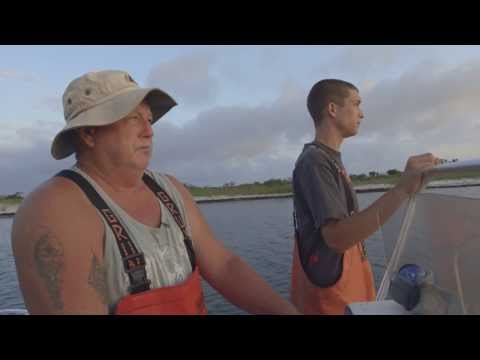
[{"x": 324, "y": 92}]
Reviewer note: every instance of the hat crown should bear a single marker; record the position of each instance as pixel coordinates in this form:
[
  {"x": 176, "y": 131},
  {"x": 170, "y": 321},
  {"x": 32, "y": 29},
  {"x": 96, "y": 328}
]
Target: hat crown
[{"x": 92, "y": 88}]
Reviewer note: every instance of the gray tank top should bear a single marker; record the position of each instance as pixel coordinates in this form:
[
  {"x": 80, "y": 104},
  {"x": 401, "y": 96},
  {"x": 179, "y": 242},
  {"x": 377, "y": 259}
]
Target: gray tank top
[{"x": 166, "y": 257}]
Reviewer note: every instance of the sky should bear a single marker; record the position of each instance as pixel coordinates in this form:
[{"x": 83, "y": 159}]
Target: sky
[{"x": 241, "y": 114}]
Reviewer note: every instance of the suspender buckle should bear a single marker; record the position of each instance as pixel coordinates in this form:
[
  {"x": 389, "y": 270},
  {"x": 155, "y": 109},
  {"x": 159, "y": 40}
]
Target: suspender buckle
[
  {"x": 133, "y": 261},
  {"x": 138, "y": 280}
]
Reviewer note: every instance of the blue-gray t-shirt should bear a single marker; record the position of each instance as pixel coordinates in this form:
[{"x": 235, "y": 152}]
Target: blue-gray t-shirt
[{"x": 320, "y": 195}]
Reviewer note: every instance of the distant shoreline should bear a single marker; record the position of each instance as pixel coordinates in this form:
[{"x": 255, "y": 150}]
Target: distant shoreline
[
  {"x": 359, "y": 189},
  {"x": 8, "y": 210}
]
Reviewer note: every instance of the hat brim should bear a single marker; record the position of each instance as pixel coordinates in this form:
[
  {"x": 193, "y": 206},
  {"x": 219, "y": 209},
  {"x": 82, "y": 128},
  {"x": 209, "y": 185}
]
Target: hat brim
[{"x": 111, "y": 111}]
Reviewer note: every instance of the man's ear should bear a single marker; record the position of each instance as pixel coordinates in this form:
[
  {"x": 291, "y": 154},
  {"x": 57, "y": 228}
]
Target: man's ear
[
  {"x": 87, "y": 135},
  {"x": 332, "y": 109}
]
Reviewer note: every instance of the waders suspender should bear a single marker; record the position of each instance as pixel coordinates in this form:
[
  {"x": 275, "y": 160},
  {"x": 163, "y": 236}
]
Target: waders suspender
[
  {"x": 173, "y": 209},
  {"x": 133, "y": 260}
]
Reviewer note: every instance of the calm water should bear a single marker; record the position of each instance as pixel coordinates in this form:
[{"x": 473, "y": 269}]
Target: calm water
[{"x": 260, "y": 231}]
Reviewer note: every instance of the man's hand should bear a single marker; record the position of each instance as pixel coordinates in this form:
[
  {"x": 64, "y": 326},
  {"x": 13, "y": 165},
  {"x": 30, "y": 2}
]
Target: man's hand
[{"x": 413, "y": 177}]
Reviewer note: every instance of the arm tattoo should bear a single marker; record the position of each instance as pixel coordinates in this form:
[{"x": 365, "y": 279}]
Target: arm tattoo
[
  {"x": 48, "y": 256},
  {"x": 97, "y": 279}
]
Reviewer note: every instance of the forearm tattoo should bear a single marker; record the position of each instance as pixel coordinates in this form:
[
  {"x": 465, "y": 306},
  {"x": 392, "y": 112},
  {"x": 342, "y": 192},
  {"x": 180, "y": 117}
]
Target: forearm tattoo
[
  {"x": 49, "y": 260},
  {"x": 97, "y": 279}
]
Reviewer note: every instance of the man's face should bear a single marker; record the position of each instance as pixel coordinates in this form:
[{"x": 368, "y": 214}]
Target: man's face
[
  {"x": 349, "y": 115},
  {"x": 128, "y": 142}
]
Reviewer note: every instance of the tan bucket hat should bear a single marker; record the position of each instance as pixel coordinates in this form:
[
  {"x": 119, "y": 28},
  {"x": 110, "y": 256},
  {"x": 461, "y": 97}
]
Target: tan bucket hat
[{"x": 102, "y": 98}]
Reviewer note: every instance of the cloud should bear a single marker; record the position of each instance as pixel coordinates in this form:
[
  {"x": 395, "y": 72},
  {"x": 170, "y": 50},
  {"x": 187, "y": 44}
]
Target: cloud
[
  {"x": 424, "y": 100},
  {"x": 424, "y": 110},
  {"x": 235, "y": 143},
  {"x": 428, "y": 107},
  {"x": 6, "y": 74},
  {"x": 188, "y": 79},
  {"x": 53, "y": 103},
  {"x": 353, "y": 63},
  {"x": 28, "y": 163}
]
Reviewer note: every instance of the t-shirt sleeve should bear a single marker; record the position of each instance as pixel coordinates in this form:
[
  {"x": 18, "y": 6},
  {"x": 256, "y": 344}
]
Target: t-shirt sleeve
[{"x": 321, "y": 191}]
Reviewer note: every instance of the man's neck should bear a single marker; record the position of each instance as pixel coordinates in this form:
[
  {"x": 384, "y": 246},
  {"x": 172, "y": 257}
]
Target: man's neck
[
  {"x": 328, "y": 136},
  {"x": 114, "y": 178}
]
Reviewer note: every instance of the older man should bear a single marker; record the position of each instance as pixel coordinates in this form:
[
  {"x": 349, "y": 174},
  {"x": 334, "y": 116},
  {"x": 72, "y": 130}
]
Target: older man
[{"x": 111, "y": 236}]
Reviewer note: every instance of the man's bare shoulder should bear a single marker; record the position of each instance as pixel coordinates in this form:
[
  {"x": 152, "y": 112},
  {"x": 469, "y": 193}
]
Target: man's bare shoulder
[
  {"x": 187, "y": 197},
  {"x": 178, "y": 185},
  {"x": 56, "y": 197},
  {"x": 193, "y": 212},
  {"x": 58, "y": 205}
]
